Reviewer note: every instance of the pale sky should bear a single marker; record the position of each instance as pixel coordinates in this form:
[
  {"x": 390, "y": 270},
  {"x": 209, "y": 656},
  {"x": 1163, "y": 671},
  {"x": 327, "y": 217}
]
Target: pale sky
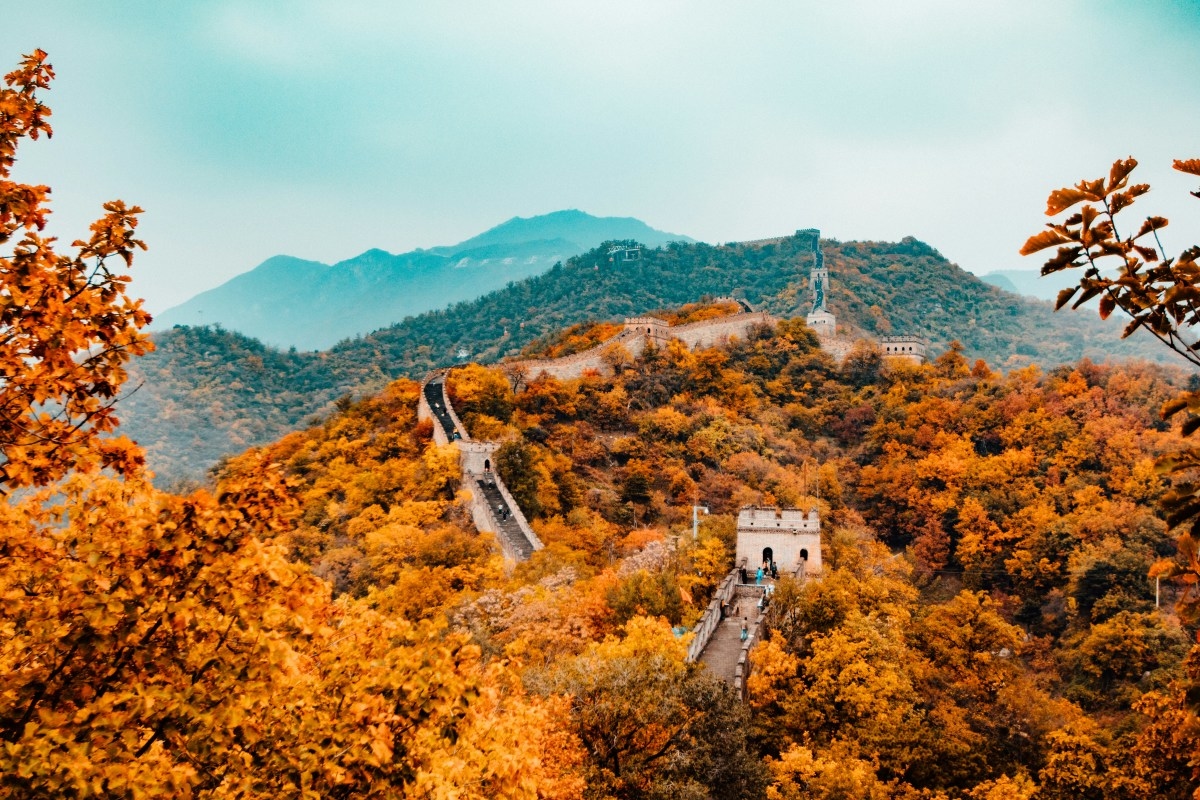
[{"x": 322, "y": 129}]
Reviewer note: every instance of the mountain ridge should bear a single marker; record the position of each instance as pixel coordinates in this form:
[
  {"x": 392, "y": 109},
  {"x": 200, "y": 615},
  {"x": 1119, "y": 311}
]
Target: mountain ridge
[
  {"x": 206, "y": 393},
  {"x": 290, "y": 302}
]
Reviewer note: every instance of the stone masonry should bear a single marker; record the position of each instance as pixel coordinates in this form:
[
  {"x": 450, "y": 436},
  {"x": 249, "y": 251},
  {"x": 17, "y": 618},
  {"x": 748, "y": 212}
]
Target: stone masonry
[
  {"x": 638, "y": 333},
  {"x": 492, "y": 507},
  {"x": 791, "y": 537}
]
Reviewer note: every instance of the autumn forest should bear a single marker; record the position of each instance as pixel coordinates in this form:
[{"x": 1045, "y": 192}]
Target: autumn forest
[{"x": 1006, "y": 611}]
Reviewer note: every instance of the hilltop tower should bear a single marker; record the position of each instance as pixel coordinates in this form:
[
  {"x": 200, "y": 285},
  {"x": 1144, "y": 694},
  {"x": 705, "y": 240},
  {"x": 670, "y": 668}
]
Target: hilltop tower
[
  {"x": 820, "y": 319},
  {"x": 790, "y": 537}
]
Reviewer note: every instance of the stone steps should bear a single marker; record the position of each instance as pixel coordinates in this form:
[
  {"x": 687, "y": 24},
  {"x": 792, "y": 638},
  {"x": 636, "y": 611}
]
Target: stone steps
[{"x": 721, "y": 654}]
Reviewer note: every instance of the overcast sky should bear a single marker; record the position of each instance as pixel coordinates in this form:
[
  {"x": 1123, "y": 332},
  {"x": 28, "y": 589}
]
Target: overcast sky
[{"x": 322, "y": 129}]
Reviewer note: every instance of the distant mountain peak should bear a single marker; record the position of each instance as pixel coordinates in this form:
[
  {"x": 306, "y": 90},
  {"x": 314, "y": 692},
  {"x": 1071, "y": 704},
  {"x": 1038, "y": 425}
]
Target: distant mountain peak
[
  {"x": 572, "y": 225},
  {"x": 290, "y": 302}
]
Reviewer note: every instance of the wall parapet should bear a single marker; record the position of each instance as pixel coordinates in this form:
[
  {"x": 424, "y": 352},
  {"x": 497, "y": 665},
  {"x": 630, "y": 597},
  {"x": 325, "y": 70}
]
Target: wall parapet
[
  {"x": 635, "y": 321},
  {"x": 775, "y": 518},
  {"x": 726, "y": 321},
  {"x": 711, "y": 618},
  {"x": 639, "y": 331},
  {"x": 741, "y": 675}
]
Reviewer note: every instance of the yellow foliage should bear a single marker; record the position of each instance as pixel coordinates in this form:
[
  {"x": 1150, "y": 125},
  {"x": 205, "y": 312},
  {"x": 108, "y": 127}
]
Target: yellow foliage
[
  {"x": 475, "y": 389},
  {"x": 800, "y": 774},
  {"x": 1018, "y": 787},
  {"x": 637, "y": 539},
  {"x": 772, "y": 676}
]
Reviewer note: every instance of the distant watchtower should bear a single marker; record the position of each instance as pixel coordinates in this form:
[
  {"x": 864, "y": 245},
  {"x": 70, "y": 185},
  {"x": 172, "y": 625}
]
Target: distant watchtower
[
  {"x": 622, "y": 255},
  {"x": 819, "y": 319},
  {"x": 651, "y": 327}
]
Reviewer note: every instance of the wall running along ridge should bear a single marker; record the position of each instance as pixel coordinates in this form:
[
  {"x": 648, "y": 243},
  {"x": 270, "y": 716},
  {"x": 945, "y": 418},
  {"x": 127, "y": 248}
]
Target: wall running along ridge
[
  {"x": 640, "y": 332},
  {"x": 489, "y": 496}
]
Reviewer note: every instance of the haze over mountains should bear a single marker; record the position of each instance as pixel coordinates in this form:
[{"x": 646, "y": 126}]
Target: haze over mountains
[
  {"x": 291, "y": 302},
  {"x": 1030, "y": 282}
]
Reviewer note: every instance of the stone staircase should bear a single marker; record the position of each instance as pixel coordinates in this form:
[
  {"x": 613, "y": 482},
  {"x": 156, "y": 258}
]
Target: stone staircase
[
  {"x": 492, "y": 507},
  {"x": 724, "y": 648},
  {"x": 506, "y": 521},
  {"x": 717, "y": 638}
]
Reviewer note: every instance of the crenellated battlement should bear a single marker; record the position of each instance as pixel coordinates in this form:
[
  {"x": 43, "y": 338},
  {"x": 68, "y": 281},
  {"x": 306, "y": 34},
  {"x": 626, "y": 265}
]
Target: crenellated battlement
[{"x": 773, "y": 518}]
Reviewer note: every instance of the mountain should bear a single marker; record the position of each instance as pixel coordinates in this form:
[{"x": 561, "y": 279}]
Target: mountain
[
  {"x": 289, "y": 302},
  {"x": 984, "y": 543},
  {"x": 206, "y": 392},
  {"x": 571, "y": 226},
  {"x": 1030, "y": 282}
]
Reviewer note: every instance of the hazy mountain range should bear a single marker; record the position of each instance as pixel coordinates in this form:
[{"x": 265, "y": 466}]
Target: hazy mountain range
[
  {"x": 289, "y": 302},
  {"x": 205, "y": 392}
]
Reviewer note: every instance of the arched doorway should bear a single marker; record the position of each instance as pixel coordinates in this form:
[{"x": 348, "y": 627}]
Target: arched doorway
[
  {"x": 768, "y": 555},
  {"x": 487, "y": 465},
  {"x": 804, "y": 554}
]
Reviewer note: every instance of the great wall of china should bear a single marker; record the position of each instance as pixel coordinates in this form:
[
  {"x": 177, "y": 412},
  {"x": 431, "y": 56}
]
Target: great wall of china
[
  {"x": 730, "y": 625},
  {"x": 493, "y": 509},
  {"x": 716, "y": 639},
  {"x": 492, "y": 506},
  {"x": 639, "y": 332}
]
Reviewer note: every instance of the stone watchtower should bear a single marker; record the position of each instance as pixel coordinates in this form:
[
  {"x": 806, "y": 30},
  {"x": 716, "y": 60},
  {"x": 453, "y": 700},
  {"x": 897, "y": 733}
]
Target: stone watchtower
[
  {"x": 822, "y": 322},
  {"x": 790, "y": 537},
  {"x": 650, "y": 327}
]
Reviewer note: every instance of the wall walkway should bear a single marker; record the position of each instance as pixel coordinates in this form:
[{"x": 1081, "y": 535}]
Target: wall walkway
[
  {"x": 717, "y": 641},
  {"x": 492, "y": 506}
]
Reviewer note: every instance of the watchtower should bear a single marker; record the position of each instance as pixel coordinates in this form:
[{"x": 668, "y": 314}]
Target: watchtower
[
  {"x": 909, "y": 348},
  {"x": 651, "y": 327},
  {"x": 790, "y": 537}
]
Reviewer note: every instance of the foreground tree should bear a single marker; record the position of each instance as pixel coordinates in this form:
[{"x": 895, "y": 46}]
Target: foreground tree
[
  {"x": 162, "y": 646},
  {"x": 653, "y": 725},
  {"x": 1160, "y": 293},
  {"x": 67, "y": 327}
]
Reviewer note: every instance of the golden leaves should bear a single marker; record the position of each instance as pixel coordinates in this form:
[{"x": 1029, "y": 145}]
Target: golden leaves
[
  {"x": 1047, "y": 238},
  {"x": 1191, "y": 166},
  {"x": 1119, "y": 172},
  {"x": 66, "y": 325},
  {"x": 1150, "y": 225},
  {"x": 1062, "y": 199}
]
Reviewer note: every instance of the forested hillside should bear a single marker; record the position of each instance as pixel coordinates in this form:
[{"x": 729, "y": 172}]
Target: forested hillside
[
  {"x": 985, "y": 626},
  {"x": 206, "y": 392}
]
